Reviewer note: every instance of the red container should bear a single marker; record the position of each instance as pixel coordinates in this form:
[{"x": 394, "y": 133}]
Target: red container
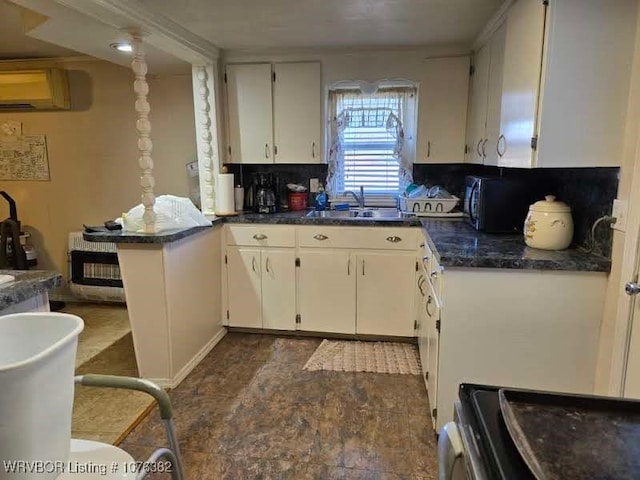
[{"x": 297, "y": 201}]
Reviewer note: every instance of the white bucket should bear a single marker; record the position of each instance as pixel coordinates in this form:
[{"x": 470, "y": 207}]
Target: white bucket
[{"x": 37, "y": 362}]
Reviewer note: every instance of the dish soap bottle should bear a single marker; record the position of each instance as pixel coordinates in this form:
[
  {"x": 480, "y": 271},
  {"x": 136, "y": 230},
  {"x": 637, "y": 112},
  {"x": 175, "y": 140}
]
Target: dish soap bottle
[{"x": 321, "y": 198}]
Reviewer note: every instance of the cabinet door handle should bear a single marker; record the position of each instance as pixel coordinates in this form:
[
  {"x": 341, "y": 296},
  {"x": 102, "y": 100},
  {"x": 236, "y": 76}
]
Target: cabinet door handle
[
  {"x": 253, "y": 264},
  {"x": 502, "y": 139},
  {"x": 313, "y": 150},
  {"x": 484, "y": 154},
  {"x": 363, "y": 267},
  {"x": 426, "y": 307},
  {"x": 320, "y": 237},
  {"x": 348, "y": 267},
  {"x": 478, "y": 148},
  {"x": 266, "y": 265},
  {"x": 428, "y": 148},
  {"x": 266, "y": 150},
  {"x": 260, "y": 236},
  {"x": 394, "y": 239},
  {"x": 421, "y": 282}
]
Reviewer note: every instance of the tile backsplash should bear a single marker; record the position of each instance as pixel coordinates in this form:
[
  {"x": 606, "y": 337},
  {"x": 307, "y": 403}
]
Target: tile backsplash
[
  {"x": 286, "y": 173},
  {"x": 589, "y": 191}
]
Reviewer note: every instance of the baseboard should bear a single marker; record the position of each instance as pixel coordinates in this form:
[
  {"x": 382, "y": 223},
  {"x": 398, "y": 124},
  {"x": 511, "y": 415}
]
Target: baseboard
[
  {"x": 338, "y": 336},
  {"x": 186, "y": 370}
]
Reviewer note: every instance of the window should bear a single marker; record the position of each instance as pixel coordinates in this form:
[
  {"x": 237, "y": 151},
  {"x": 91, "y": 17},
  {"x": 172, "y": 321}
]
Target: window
[{"x": 368, "y": 141}]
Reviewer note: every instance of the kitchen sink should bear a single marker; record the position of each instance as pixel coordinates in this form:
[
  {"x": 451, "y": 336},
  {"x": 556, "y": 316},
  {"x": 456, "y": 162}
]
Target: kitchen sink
[{"x": 356, "y": 214}]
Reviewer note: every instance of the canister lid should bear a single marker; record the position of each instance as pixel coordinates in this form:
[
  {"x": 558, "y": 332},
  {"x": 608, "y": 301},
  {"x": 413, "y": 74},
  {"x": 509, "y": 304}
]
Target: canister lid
[{"x": 550, "y": 205}]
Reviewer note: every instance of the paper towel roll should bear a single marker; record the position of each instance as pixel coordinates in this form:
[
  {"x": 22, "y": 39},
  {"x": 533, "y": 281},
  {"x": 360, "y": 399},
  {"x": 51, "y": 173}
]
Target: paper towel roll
[{"x": 224, "y": 194}]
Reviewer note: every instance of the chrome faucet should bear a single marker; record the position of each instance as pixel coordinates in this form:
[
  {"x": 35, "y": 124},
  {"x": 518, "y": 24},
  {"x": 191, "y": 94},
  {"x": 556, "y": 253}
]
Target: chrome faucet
[{"x": 359, "y": 199}]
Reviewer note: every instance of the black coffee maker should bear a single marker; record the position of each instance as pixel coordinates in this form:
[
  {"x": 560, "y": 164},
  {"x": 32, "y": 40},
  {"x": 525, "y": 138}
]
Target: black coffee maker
[{"x": 261, "y": 197}]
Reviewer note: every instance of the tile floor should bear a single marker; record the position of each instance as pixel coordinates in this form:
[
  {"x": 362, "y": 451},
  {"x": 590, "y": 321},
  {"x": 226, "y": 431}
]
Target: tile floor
[
  {"x": 104, "y": 324},
  {"x": 249, "y": 411}
]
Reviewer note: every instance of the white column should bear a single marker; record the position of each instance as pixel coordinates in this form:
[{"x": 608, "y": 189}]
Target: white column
[
  {"x": 141, "y": 88},
  {"x": 204, "y": 100}
]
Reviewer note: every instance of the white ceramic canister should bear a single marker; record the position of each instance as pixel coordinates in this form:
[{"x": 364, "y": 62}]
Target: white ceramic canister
[{"x": 549, "y": 225}]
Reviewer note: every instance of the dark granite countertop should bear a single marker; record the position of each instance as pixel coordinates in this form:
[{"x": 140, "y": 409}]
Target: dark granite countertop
[
  {"x": 454, "y": 241},
  {"x": 118, "y": 236},
  {"x": 28, "y": 284},
  {"x": 457, "y": 244},
  {"x": 300, "y": 218}
]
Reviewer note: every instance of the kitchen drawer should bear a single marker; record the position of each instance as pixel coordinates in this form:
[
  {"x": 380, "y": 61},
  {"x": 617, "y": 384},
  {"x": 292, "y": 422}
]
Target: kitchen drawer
[
  {"x": 381, "y": 238},
  {"x": 261, "y": 235}
]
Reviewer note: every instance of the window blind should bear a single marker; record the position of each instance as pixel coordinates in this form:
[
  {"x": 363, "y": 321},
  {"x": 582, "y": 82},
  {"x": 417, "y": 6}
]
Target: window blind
[{"x": 370, "y": 140}]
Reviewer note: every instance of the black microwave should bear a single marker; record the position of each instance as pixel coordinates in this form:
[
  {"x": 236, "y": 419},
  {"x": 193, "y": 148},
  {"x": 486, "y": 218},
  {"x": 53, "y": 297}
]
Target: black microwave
[{"x": 496, "y": 204}]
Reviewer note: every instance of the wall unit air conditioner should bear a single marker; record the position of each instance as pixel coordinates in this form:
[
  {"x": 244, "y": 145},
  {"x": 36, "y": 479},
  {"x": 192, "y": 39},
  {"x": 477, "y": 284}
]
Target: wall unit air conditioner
[{"x": 34, "y": 89}]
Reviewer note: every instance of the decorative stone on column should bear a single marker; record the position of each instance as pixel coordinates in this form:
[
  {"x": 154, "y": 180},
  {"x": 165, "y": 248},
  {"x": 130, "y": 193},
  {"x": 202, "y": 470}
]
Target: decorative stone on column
[
  {"x": 141, "y": 88},
  {"x": 206, "y": 132}
]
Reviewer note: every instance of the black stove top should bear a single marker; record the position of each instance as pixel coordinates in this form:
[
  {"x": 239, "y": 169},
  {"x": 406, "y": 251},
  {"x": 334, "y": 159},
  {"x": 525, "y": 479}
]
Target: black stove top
[{"x": 499, "y": 454}]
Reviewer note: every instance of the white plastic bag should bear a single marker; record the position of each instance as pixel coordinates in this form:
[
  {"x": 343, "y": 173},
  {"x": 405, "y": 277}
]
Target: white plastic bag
[{"x": 172, "y": 213}]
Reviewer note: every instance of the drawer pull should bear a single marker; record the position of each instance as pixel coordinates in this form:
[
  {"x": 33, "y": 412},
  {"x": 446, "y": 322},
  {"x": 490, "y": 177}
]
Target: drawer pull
[
  {"x": 394, "y": 239},
  {"x": 260, "y": 236},
  {"x": 429, "y": 302},
  {"x": 320, "y": 237},
  {"x": 434, "y": 274},
  {"x": 421, "y": 282}
]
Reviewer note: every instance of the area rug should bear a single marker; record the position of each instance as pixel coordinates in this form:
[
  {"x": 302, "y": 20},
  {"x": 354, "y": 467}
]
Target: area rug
[
  {"x": 375, "y": 357},
  {"x": 107, "y": 414}
]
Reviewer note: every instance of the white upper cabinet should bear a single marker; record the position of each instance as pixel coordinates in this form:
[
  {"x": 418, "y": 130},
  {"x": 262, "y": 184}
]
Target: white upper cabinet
[
  {"x": 274, "y": 113},
  {"x": 478, "y": 105},
  {"x": 483, "y": 128},
  {"x": 566, "y": 81},
  {"x": 249, "y": 113},
  {"x": 443, "y": 111},
  {"x": 297, "y": 112},
  {"x": 494, "y": 97},
  {"x": 521, "y": 82}
]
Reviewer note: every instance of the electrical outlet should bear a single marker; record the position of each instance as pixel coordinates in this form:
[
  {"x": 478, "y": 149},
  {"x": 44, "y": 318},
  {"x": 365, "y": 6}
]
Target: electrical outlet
[
  {"x": 313, "y": 185},
  {"x": 619, "y": 212}
]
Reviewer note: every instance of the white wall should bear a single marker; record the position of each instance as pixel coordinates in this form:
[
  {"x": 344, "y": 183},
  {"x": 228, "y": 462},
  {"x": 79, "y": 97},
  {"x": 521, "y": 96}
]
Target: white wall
[{"x": 93, "y": 154}]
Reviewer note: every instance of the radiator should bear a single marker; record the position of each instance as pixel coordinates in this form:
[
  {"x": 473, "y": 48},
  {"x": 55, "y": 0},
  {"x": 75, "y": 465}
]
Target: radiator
[{"x": 94, "y": 270}]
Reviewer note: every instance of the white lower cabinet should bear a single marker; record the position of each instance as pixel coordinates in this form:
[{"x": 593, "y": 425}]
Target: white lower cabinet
[
  {"x": 347, "y": 280},
  {"x": 327, "y": 291},
  {"x": 261, "y": 288},
  {"x": 244, "y": 304},
  {"x": 385, "y": 293},
  {"x": 279, "y": 289},
  {"x": 535, "y": 329}
]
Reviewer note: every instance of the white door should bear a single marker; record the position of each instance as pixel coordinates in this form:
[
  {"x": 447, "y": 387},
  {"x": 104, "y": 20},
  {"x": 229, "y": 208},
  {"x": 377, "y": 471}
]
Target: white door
[
  {"x": 632, "y": 374},
  {"x": 478, "y": 112},
  {"x": 443, "y": 100},
  {"x": 385, "y": 293},
  {"x": 250, "y": 113},
  {"x": 432, "y": 312},
  {"x": 297, "y": 112},
  {"x": 327, "y": 291},
  {"x": 521, "y": 81},
  {"x": 279, "y": 288},
  {"x": 494, "y": 98},
  {"x": 244, "y": 291}
]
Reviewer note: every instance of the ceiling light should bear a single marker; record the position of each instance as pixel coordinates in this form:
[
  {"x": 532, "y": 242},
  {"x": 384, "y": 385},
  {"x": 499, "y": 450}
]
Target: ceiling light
[{"x": 122, "y": 47}]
